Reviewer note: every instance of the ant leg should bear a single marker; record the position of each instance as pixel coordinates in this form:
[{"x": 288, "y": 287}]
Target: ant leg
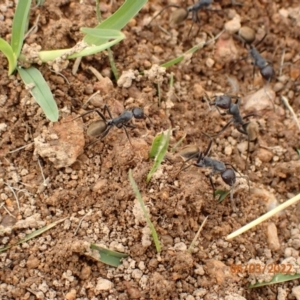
[
  {"x": 84, "y": 114},
  {"x": 124, "y": 127},
  {"x": 223, "y": 129},
  {"x": 212, "y": 183},
  {"x": 106, "y": 108},
  {"x": 101, "y": 115},
  {"x": 233, "y": 205},
  {"x": 171, "y": 5},
  {"x": 103, "y": 135}
]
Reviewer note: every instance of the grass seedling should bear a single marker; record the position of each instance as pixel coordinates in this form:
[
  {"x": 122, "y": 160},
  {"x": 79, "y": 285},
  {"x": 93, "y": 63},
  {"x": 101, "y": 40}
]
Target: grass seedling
[
  {"x": 278, "y": 278},
  {"x": 33, "y": 234},
  {"x": 190, "y": 52},
  {"x": 146, "y": 214},
  {"x": 158, "y": 151},
  {"x": 104, "y": 36},
  {"x": 107, "y": 256}
]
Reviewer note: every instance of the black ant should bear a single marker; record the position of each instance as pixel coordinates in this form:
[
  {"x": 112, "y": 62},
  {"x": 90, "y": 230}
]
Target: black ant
[
  {"x": 266, "y": 69},
  {"x": 225, "y": 102},
  {"x": 182, "y": 13},
  {"x": 102, "y": 127},
  {"x": 204, "y": 161}
]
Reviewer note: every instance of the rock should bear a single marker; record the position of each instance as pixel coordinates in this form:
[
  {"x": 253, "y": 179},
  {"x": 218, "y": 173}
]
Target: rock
[
  {"x": 235, "y": 297},
  {"x": 217, "y": 270},
  {"x": 263, "y": 99},
  {"x": 180, "y": 246},
  {"x": 264, "y": 155},
  {"x": 104, "y": 85},
  {"x": 103, "y": 285},
  {"x": 226, "y": 50},
  {"x": 282, "y": 294},
  {"x": 296, "y": 292},
  {"x": 272, "y": 236},
  {"x": 234, "y": 25},
  {"x": 126, "y": 78},
  {"x": 61, "y": 144},
  {"x": 71, "y": 295}
]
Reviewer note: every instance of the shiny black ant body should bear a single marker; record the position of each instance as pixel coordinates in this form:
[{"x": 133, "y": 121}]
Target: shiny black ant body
[
  {"x": 225, "y": 102},
  {"x": 204, "y": 161},
  {"x": 102, "y": 127}
]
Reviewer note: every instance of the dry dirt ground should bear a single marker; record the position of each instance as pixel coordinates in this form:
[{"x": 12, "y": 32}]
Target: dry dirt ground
[{"x": 58, "y": 176}]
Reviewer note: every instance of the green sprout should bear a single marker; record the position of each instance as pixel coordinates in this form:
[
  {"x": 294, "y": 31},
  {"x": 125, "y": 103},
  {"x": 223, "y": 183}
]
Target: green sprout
[
  {"x": 146, "y": 214},
  {"x": 158, "y": 150},
  {"x": 104, "y": 36}
]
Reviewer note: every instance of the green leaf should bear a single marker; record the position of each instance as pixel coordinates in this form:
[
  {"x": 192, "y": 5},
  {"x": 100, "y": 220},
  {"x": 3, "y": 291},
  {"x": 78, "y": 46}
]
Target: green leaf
[
  {"x": 19, "y": 26},
  {"x": 278, "y": 278},
  {"x": 156, "y": 145},
  {"x": 40, "y": 91},
  {"x": 145, "y": 211},
  {"x": 34, "y": 234},
  {"x": 109, "y": 257},
  {"x": 160, "y": 151},
  {"x": 223, "y": 195},
  {"x": 118, "y": 20},
  {"x": 103, "y": 33},
  {"x": 6, "y": 49},
  {"x": 180, "y": 58},
  {"x": 46, "y": 56}
]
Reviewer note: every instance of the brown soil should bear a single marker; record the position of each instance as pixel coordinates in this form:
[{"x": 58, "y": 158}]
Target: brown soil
[{"x": 94, "y": 194}]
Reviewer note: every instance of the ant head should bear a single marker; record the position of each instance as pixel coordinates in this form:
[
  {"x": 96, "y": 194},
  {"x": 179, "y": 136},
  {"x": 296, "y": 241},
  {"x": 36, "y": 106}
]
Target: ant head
[
  {"x": 96, "y": 128},
  {"x": 223, "y": 101},
  {"x": 267, "y": 72},
  {"x": 229, "y": 177},
  {"x": 138, "y": 113}
]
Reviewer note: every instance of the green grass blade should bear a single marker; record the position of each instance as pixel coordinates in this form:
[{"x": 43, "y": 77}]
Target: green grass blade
[
  {"x": 109, "y": 257},
  {"x": 222, "y": 195},
  {"x": 160, "y": 151},
  {"x": 34, "y": 234},
  {"x": 180, "y": 58},
  {"x": 118, "y": 20},
  {"x": 145, "y": 211},
  {"x": 6, "y": 49},
  {"x": 46, "y": 56},
  {"x": 40, "y": 91},
  {"x": 155, "y": 145},
  {"x": 102, "y": 33},
  {"x": 278, "y": 278},
  {"x": 298, "y": 151},
  {"x": 19, "y": 26}
]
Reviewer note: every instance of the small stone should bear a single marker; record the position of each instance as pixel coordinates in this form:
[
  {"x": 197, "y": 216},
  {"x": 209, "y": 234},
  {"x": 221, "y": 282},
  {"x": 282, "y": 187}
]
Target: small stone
[
  {"x": 272, "y": 236},
  {"x": 71, "y": 295},
  {"x": 228, "y": 150},
  {"x": 296, "y": 292},
  {"x": 296, "y": 244},
  {"x": 180, "y": 246},
  {"x": 209, "y": 62},
  {"x": 32, "y": 262},
  {"x": 104, "y": 85},
  {"x": 226, "y": 50},
  {"x": 100, "y": 185},
  {"x": 199, "y": 91},
  {"x": 283, "y": 12},
  {"x": 233, "y": 25},
  {"x": 136, "y": 274},
  {"x": 281, "y": 294},
  {"x": 103, "y": 285},
  {"x": 264, "y": 155},
  {"x": 263, "y": 99},
  {"x": 126, "y": 78}
]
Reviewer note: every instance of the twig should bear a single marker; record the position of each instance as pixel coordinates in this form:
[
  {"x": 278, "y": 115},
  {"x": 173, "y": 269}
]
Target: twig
[
  {"x": 16, "y": 197},
  {"x": 44, "y": 179},
  {"x": 90, "y": 98},
  {"x": 281, "y": 62},
  {"x": 96, "y": 73},
  {"x": 76, "y": 65},
  {"x": 197, "y": 235},
  {"x": 264, "y": 217},
  {"x": 20, "y": 148},
  {"x": 286, "y": 103},
  {"x": 79, "y": 224}
]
